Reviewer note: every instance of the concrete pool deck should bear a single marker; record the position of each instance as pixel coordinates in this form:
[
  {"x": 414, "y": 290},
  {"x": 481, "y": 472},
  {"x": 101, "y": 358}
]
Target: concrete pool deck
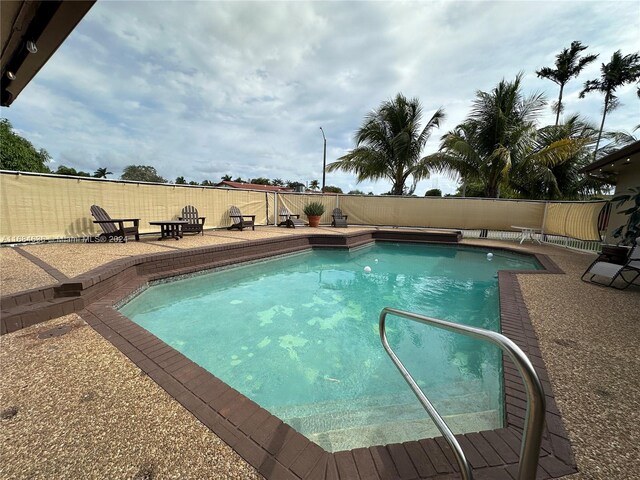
[{"x": 77, "y": 395}]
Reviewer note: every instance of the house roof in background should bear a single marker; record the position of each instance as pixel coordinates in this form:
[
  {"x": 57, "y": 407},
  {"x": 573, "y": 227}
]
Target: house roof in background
[
  {"x": 47, "y": 24},
  {"x": 253, "y": 186},
  {"x": 614, "y": 162}
]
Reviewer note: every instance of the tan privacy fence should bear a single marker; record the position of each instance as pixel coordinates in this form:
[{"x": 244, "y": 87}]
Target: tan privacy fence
[
  {"x": 469, "y": 213},
  {"x": 58, "y": 207},
  {"x": 573, "y": 219},
  {"x": 295, "y": 203},
  {"x": 53, "y": 206}
]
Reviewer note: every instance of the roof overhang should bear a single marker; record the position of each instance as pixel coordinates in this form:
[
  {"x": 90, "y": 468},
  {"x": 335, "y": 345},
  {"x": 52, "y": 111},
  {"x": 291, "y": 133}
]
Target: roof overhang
[
  {"x": 615, "y": 163},
  {"x": 45, "y": 23}
]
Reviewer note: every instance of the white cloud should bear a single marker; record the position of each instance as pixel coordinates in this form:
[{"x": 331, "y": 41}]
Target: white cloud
[{"x": 202, "y": 89}]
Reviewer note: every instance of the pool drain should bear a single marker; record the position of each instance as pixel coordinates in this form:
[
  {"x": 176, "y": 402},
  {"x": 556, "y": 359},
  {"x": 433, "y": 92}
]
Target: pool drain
[
  {"x": 145, "y": 473},
  {"x": 9, "y": 413},
  {"x": 55, "y": 332},
  {"x": 565, "y": 342},
  {"x": 87, "y": 397}
]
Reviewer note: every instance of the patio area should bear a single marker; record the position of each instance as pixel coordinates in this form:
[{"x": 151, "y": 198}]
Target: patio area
[{"x": 84, "y": 410}]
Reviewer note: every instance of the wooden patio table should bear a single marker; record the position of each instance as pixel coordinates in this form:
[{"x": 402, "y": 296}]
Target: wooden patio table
[{"x": 170, "y": 228}]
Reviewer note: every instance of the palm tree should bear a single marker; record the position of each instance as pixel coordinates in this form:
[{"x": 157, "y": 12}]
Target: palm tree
[
  {"x": 568, "y": 64},
  {"x": 620, "y": 71},
  {"x": 314, "y": 185},
  {"x": 493, "y": 138},
  {"x": 556, "y": 155},
  {"x": 102, "y": 173},
  {"x": 389, "y": 144}
]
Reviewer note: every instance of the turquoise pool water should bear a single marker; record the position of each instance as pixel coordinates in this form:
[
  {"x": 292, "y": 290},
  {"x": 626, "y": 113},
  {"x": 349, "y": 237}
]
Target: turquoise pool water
[{"x": 299, "y": 336}]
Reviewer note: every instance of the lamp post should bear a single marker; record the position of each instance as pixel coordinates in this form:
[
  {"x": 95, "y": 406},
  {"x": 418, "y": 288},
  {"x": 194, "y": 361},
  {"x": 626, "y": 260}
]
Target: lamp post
[{"x": 324, "y": 158}]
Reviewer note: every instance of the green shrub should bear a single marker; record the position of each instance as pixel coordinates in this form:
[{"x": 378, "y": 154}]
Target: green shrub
[{"x": 313, "y": 209}]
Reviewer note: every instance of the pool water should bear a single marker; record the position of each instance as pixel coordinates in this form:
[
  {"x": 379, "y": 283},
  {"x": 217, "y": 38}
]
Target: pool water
[{"x": 299, "y": 336}]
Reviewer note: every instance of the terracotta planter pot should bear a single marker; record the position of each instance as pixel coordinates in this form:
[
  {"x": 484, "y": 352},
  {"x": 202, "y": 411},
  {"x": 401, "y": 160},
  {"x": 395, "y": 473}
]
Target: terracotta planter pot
[{"x": 314, "y": 220}]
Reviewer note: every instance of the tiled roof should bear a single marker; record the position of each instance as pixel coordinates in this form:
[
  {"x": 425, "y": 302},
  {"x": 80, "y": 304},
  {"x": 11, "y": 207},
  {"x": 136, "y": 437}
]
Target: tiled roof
[{"x": 253, "y": 186}]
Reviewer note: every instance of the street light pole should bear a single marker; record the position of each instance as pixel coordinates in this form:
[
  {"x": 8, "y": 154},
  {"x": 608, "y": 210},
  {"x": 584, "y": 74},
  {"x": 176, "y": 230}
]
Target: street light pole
[{"x": 324, "y": 158}]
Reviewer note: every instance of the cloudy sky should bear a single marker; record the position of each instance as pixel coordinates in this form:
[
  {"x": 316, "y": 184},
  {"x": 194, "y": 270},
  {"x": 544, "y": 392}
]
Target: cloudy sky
[{"x": 203, "y": 89}]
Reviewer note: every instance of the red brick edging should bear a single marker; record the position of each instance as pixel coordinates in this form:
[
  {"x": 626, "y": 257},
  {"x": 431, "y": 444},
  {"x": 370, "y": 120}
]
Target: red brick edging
[{"x": 275, "y": 449}]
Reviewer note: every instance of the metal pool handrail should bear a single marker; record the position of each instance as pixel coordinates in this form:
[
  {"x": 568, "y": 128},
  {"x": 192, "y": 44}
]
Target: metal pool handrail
[{"x": 536, "y": 404}]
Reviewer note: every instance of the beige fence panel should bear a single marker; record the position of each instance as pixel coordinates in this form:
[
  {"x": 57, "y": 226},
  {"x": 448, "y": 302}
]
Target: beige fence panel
[
  {"x": 576, "y": 220},
  {"x": 463, "y": 213},
  {"x": 57, "y": 207},
  {"x": 48, "y": 206},
  {"x": 271, "y": 208},
  {"x": 296, "y": 202}
]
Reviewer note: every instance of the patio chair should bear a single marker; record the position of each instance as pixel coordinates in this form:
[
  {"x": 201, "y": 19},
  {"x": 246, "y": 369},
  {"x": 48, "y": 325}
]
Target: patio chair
[
  {"x": 289, "y": 219},
  {"x": 241, "y": 221},
  {"x": 611, "y": 271},
  {"x": 110, "y": 230},
  {"x": 195, "y": 223},
  {"x": 339, "y": 220}
]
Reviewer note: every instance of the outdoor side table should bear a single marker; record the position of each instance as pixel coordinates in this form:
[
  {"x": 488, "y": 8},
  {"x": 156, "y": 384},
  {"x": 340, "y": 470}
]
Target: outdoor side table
[
  {"x": 527, "y": 233},
  {"x": 170, "y": 228}
]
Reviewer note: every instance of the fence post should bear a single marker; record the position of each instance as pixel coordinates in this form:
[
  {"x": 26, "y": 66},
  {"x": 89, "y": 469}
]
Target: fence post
[
  {"x": 266, "y": 205},
  {"x": 544, "y": 221}
]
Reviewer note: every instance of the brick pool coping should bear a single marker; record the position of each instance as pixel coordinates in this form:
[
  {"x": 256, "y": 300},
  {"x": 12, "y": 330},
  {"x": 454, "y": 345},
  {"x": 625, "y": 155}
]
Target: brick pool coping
[{"x": 275, "y": 449}]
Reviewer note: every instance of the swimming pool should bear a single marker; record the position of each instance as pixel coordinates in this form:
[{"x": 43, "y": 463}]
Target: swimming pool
[{"x": 298, "y": 335}]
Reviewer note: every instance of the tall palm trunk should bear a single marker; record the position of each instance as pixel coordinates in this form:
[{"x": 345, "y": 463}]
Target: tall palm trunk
[
  {"x": 559, "y": 104},
  {"x": 492, "y": 188},
  {"x": 398, "y": 184},
  {"x": 491, "y": 191},
  {"x": 604, "y": 115}
]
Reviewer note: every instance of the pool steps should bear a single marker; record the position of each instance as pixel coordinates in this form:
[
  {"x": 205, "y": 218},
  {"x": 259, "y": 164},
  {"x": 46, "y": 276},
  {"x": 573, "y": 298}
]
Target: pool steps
[
  {"x": 398, "y": 432},
  {"x": 343, "y": 425}
]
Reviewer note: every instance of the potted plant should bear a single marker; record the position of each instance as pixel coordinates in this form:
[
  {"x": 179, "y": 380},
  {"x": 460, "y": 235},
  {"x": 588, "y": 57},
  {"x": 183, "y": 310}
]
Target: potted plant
[
  {"x": 626, "y": 233},
  {"x": 631, "y": 231},
  {"x": 314, "y": 211}
]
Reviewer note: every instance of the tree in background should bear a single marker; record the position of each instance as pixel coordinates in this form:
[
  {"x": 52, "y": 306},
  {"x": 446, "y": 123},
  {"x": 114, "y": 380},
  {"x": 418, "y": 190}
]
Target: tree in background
[
  {"x": 558, "y": 177},
  {"x": 469, "y": 189},
  {"x": 102, "y": 173},
  {"x": 239, "y": 180},
  {"x": 485, "y": 146},
  {"x": 434, "y": 192},
  {"x": 17, "y": 153},
  {"x": 226, "y": 178},
  {"x": 389, "y": 145},
  {"x": 314, "y": 185},
  {"x": 355, "y": 192},
  {"x": 294, "y": 184},
  {"x": 180, "y": 181},
  {"x": 278, "y": 182},
  {"x": 332, "y": 189},
  {"x": 208, "y": 183},
  {"x": 193, "y": 183},
  {"x": 260, "y": 181},
  {"x": 62, "y": 170},
  {"x": 620, "y": 71},
  {"x": 141, "y": 173},
  {"x": 568, "y": 64}
]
